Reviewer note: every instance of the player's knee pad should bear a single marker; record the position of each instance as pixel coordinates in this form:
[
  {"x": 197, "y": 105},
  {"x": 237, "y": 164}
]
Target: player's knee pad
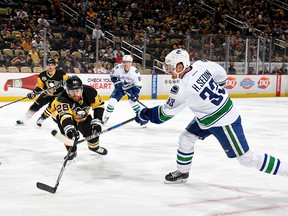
[
  {"x": 187, "y": 140},
  {"x": 250, "y": 159}
]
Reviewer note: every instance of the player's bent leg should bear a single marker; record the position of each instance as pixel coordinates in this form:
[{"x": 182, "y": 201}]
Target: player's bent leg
[
  {"x": 109, "y": 109},
  {"x": 185, "y": 154},
  {"x": 264, "y": 163}
]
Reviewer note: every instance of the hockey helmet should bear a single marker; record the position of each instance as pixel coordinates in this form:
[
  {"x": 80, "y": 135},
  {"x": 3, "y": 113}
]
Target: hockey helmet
[
  {"x": 174, "y": 58},
  {"x": 73, "y": 82},
  {"x": 50, "y": 61},
  {"x": 127, "y": 58}
]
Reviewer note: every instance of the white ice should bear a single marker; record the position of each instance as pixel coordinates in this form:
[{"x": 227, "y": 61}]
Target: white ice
[{"x": 130, "y": 179}]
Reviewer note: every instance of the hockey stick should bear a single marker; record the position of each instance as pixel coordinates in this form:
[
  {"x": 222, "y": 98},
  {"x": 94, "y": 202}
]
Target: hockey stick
[
  {"x": 70, "y": 142},
  {"x": 137, "y": 101},
  {"x": 27, "y": 97},
  {"x": 50, "y": 189}
]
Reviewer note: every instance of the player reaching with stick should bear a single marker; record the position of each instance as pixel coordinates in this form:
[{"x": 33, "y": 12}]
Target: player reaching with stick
[
  {"x": 71, "y": 112},
  {"x": 201, "y": 90}
]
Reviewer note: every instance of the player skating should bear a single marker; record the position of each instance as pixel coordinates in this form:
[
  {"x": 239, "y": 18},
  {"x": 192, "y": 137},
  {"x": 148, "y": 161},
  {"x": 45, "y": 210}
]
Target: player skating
[
  {"x": 201, "y": 89},
  {"x": 127, "y": 81},
  {"x": 46, "y": 79}
]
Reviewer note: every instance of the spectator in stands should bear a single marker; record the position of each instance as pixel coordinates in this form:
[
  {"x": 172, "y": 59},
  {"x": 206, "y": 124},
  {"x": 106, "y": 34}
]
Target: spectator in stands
[
  {"x": 275, "y": 70},
  {"x": 37, "y": 43},
  {"x": 27, "y": 44},
  {"x": 9, "y": 25},
  {"x": 108, "y": 67},
  {"x": 68, "y": 68},
  {"x": 79, "y": 34},
  {"x": 91, "y": 14},
  {"x": 78, "y": 63},
  {"x": 20, "y": 25},
  {"x": 62, "y": 19},
  {"x": 99, "y": 68},
  {"x": 251, "y": 71},
  {"x": 265, "y": 71},
  {"x": 18, "y": 60},
  {"x": 67, "y": 56},
  {"x": 5, "y": 60},
  {"x": 82, "y": 17},
  {"x": 97, "y": 33},
  {"x": 231, "y": 68},
  {"x": 16, "y": 44},
  {"x": 70, "y": 45},
  {"x": 5, "y": 34},
  {"x": 118, "y": 54},
  {"x": 81, "y": 47},
  {"x": 21, "y": 14},
  {"x": 88, "y": 67},
  {"x": 29, "y": 62},
  {"x": 127, "y": 13},
  {"x": 42, "y": 22},
  {"x": 283, "y": 69},
  {"x": 56, "y": 44},
  {"x": 34, "y": 55},
  {"x": 107, "y": 56},
  {"x": 69, "y": 33}
]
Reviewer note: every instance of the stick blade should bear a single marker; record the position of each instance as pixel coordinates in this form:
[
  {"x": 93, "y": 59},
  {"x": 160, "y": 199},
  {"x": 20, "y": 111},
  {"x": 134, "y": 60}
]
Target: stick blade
[
  {"x": 62, "y": 138},
  {"x": 45, "y": 187}
]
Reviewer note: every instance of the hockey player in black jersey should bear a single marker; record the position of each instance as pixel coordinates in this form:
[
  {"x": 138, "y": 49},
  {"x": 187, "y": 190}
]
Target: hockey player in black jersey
[
  {"x": 46, "y": 79},
  {"x": 71, "y": 112}
]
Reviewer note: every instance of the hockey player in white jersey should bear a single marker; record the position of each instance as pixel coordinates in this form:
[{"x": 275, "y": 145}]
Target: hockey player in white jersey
[
  {"x": 127, "y": 81},
  {"x": 201, "y": 90}
]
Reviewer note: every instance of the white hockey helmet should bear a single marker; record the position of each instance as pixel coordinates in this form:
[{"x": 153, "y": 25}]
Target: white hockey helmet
[
  {"x": 175, "y": 57},
  {"x": 127, "y": 58}
]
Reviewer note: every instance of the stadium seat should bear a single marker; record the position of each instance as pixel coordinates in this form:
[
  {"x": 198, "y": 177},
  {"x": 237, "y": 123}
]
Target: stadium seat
[
  {"x": 26, "y": 69},
  {"x": 13, "y": 69}
]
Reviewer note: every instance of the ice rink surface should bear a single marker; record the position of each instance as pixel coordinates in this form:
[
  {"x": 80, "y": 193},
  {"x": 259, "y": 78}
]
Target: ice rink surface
[{"x": 129, "y": 180}]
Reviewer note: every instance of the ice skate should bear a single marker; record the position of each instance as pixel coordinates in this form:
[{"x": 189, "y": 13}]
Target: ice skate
[
  {"x": 71, "y": 155},
  {"x": 39, "y": 121},
  {"x": 176, "y": 177},
  {"x": 99, "y": 150}
]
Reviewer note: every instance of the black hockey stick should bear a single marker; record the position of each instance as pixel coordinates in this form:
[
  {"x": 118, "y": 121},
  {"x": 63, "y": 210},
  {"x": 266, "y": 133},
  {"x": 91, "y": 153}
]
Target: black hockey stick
[
  {"x": 70, "y": 142},
  {"x": 27, "y": 97},
  {"x": 50, "y": 189},
  {"x": 137, "y": 101}
]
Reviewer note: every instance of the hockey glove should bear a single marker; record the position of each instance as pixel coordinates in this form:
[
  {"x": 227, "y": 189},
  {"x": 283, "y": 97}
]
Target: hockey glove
[
  {"x": 31, "y": 95},
  {"x": 72, "y": 133},
  {"x": 133, "y": 93},
  {"x": 141, "y": 118},
  {"x": 96, "y": 126},
  {"x": 117, "y": 83}
]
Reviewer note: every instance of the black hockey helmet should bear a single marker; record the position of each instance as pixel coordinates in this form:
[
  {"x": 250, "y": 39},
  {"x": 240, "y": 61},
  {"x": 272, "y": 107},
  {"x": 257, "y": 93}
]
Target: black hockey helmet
[
  {"x": 50, "y": 61},
  {"x": 73, "y": 82}
]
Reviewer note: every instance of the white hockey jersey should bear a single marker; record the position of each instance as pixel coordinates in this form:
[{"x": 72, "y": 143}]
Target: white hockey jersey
[
  {"x": 201, "y": 89},
  {"x": 128, "y": 79}
]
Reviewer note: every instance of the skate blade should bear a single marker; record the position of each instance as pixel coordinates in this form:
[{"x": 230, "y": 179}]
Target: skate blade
[{"x": 179, "y": 181}]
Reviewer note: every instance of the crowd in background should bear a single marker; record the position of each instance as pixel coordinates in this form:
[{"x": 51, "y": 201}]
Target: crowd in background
[{"x": 73, "y": 45}]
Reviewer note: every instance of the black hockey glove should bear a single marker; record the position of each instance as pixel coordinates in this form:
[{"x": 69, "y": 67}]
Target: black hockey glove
[
  {"x": 141, "y": 118},
  {"x": 31, "y": 95},
  {"x": 72, "y": 133},
  {"x": 96, "y": 126}
]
